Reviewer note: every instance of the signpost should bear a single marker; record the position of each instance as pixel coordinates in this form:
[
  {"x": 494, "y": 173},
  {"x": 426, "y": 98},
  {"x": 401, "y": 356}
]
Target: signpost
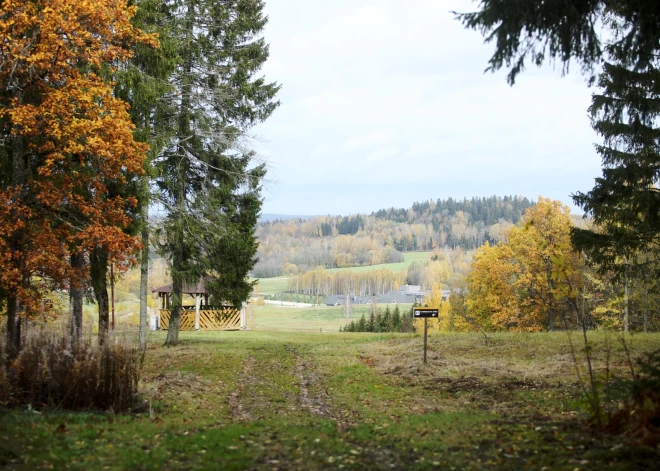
[{"x": 425, "y": 313}]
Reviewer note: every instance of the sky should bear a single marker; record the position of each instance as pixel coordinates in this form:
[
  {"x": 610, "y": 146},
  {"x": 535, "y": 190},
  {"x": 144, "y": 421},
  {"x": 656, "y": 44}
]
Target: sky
[{"x": 384, "y": 103}]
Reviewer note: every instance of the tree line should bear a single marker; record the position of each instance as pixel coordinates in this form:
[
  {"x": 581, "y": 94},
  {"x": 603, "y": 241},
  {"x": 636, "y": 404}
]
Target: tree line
[
  {"x": 382, "y": 321},
  {"x": 299, "y": 245},
  {"x": 488, "y": 210}
]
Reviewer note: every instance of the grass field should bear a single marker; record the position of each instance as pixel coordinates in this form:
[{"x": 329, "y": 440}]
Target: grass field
[
  {"x": 314, "y": 319},
  {"x": 408, "y": 258},
  {"x": 281, "y": 283},
  {"x": 301, "y": 401}
]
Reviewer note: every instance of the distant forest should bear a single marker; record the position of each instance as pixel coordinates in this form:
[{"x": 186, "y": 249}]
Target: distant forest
[{"x": 292, "y": 246}]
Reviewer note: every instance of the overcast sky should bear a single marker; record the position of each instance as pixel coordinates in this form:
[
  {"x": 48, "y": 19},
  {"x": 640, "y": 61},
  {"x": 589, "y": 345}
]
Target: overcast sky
[{"x": 385, "y": 103}]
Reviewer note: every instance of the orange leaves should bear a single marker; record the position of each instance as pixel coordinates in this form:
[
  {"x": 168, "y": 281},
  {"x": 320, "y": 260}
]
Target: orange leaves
[{"x": 76, "y": 136}]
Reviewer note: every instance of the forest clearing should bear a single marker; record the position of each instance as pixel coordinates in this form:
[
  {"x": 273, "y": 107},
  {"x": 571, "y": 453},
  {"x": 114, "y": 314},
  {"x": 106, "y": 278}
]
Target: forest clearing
[
  {"x": 278, "y": 400},
  {"x": 352, "y": 250}
]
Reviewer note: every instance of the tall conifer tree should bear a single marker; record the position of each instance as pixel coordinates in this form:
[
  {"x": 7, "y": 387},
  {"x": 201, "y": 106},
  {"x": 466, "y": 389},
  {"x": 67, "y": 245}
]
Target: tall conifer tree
[
  {"x": 625, "y": 201},
  {"x": 206, "y": 177}
]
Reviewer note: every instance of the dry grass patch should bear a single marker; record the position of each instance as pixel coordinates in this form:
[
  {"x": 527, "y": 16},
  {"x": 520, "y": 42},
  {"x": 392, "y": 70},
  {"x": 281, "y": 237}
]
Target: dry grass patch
[{"x": 510, "y": 374}]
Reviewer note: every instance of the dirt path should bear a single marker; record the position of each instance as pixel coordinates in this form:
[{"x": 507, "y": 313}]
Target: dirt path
[
  {"x": 317, "y": 401},
  {"x": 278, "y": 382},
  {"x": 238, "y": 412}
]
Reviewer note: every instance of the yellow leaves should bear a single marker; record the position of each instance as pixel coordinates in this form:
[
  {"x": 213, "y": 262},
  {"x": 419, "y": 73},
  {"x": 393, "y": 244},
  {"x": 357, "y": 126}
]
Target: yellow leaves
[{"x": 520, "y": 284}]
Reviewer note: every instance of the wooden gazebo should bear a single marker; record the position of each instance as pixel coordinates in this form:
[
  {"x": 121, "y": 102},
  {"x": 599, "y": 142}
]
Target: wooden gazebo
[{"x": 201, "y": 316}]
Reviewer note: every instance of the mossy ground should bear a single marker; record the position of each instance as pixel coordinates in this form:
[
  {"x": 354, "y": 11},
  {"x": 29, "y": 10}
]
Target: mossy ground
[{"x": 278, "y": 400}]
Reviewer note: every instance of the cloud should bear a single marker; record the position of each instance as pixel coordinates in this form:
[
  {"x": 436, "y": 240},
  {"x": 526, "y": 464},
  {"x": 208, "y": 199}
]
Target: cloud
[
  {"x": 394, "y": 94},
  {"x": 381, "y": 154},
  {"x": 371, "y": 139}
]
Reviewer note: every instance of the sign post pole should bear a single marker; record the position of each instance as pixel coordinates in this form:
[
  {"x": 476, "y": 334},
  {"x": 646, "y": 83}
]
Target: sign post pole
[
  {"x": 426, "y": 328},
  {"x": 425, "y": 313}
]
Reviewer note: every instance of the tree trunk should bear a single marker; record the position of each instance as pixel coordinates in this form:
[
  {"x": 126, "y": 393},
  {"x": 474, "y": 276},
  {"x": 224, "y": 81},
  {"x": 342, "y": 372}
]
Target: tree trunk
[
  {"x": 144, "y": 281},
  {"x": 646, "y": 295},
  {"x": 175, "y": 312},
  {"x": 181, "y": 177},
  {"x": 551, "y": 311},
  {"x": 15, "y": 241},
  {"x": 76, "y": 296},
  {"x": 98, "y": 260},
  {"x": 625, "y": 304}
]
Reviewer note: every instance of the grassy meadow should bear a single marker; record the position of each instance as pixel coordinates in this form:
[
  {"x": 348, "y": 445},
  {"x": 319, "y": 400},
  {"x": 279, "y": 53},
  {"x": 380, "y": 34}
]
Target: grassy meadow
[
  {"x": 287, "y": 396},
  {"x": 313, "y": 319}
]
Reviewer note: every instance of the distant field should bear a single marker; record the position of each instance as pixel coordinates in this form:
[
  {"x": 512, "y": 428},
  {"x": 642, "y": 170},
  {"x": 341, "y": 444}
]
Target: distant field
[
  {"x": 280, "y": 283},
  {"x": 395, "y": 267},
  {"x": 282, "y": 319},
  {"x": 273, "y": 285}
]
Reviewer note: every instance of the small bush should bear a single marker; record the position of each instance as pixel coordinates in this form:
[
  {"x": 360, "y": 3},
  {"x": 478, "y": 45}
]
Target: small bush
[
  {"x": 638, "y": 401},
  {"x": 51, "y": 371}
]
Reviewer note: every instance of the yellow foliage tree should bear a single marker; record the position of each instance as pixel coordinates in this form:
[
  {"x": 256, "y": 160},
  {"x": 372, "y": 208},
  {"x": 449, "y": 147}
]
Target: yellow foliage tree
[
  {"x": 524, "y": 283},
  {"x": 491, "y": 300}
]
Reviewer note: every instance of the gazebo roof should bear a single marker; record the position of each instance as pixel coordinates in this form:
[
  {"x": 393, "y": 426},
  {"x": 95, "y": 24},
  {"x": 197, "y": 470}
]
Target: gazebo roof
[{"x": 199, "y": 288}]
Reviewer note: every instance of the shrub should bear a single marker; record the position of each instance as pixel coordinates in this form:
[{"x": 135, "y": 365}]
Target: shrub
[
  {"x": 638, "y": 399},
  {"x": 51, "y": 371}
]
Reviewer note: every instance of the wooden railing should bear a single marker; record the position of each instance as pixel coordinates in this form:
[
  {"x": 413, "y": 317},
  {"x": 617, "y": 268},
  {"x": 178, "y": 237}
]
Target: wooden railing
[{"x": 223, "y": 318}]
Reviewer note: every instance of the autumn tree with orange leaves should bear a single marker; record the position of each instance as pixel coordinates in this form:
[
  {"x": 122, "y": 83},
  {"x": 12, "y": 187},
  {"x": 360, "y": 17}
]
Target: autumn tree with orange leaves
[{"x": 67, "y": 148}]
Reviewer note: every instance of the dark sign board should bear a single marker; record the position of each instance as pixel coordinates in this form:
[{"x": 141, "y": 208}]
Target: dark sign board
[{"x": 422, "y": 312}]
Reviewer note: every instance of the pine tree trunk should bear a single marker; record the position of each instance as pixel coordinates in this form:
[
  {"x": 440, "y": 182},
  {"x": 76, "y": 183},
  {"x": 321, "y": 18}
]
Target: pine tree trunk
[
  {"x": 98, "y": 260},
  {"x": 175, "y": 313},
  {"x": 180, "y": 190},
  {"x": 144, "y": 280},
  {"x": 76, "y": 297}
]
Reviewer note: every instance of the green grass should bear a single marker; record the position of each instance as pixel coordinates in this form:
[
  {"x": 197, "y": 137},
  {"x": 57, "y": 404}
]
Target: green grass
[
  {"x": 281, "y": 283},
  {"x": 297, "y": 400},
  {"x": 273, "y": 285},
  {"x": 327, "y": 318},
  {"x": 408, "y": 258}
]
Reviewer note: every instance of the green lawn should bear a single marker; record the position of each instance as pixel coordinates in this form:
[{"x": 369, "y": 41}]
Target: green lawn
[
  {"x": 300, "y": 401},
  {"x": 281, "y": 283},
  {"x": 408, "y": 258},
  {"x": 273, "y": 285},
  {"x": 314, "y": 319}
]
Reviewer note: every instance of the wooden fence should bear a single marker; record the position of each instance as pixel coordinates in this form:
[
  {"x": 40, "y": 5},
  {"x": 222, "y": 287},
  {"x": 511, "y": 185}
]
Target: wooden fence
[{"x": 225, "y": 318}]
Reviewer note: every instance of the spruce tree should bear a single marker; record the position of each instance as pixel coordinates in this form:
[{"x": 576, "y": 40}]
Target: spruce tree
[
  {"x": 378, "y": 323},
  {"x": 362, "y": 325},
  {"x": 625, "y": 201},
  {"x": 624, "y": 37},
  {"x": 371, "y": 323},
  {"x": 207, "y": 179},
  {"x": 582, "y": 31},
  {"x": 386, "y": 321}
]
